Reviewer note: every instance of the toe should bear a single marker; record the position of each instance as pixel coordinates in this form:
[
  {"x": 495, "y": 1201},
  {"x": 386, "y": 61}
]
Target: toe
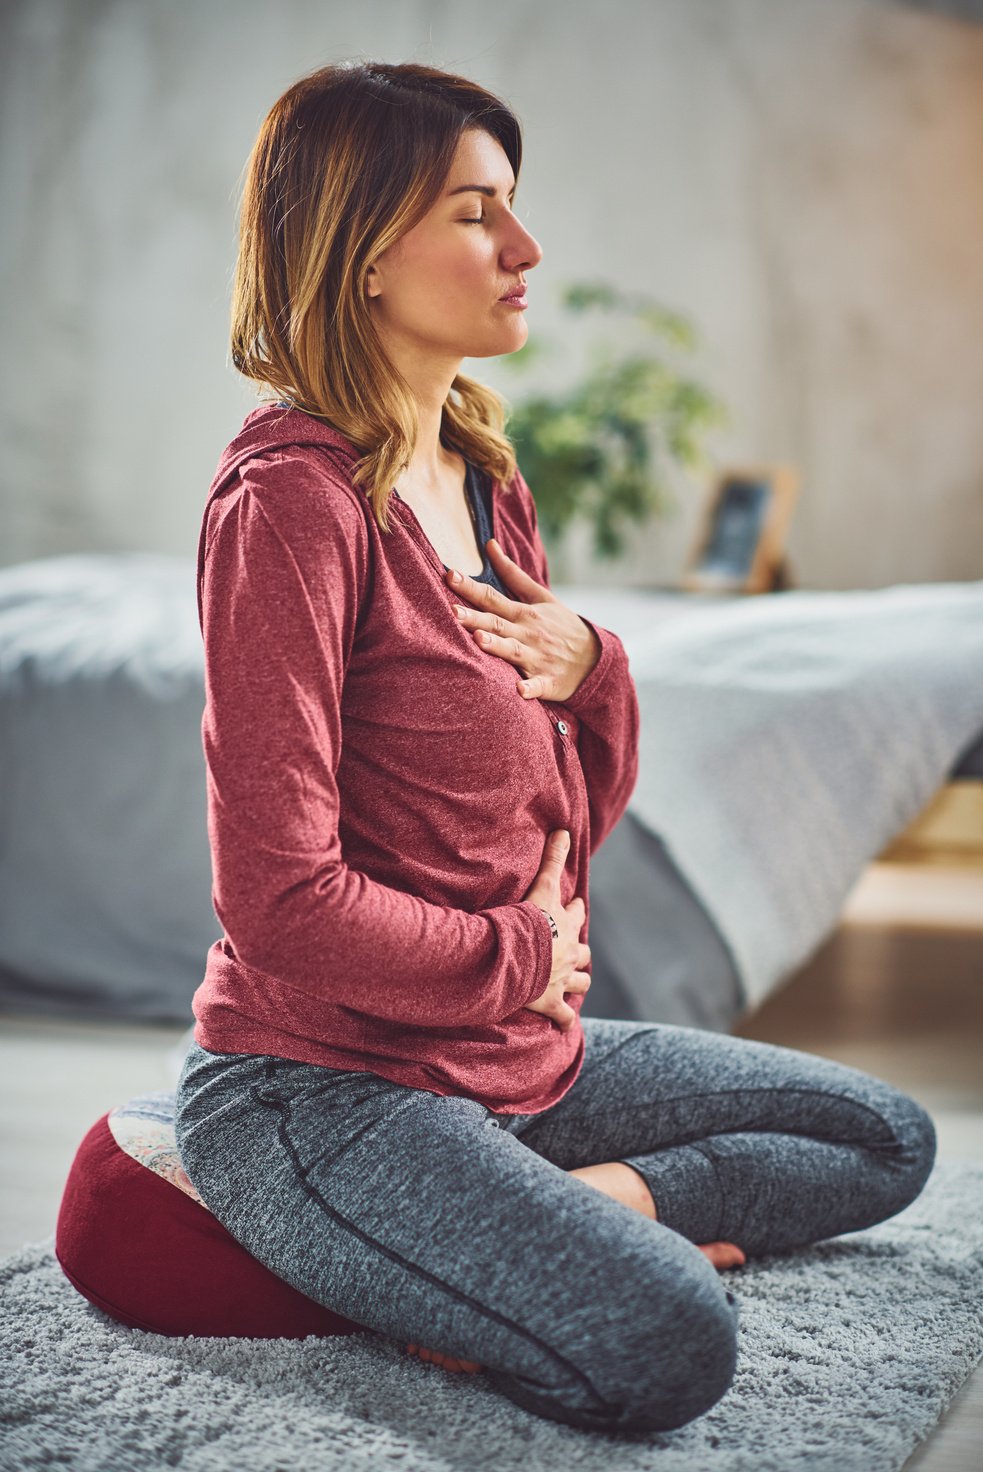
[{"x": 447, "y": 1362}]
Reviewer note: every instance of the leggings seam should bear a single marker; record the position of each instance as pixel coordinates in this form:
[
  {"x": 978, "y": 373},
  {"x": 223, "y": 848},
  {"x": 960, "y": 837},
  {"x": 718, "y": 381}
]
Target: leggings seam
[
  {"x": 764, "y": 1089},
  {"x": 705, "y": 1094},
  {"x": 720, "y": 1186},
  {"x": 414, "y": 1268},
  {"x": 624, "y": 1042}
]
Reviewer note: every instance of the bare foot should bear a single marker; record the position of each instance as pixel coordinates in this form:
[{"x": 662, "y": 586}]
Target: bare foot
[
  {"x": 723, "y": 1254},
  {"x": 469, "y": 1366}
]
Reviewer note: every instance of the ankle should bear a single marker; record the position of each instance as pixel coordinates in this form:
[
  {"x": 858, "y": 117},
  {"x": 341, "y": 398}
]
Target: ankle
[{"x": 622, "y": 1182}]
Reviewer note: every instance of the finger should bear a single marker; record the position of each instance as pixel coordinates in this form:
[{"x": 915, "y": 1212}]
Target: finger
[
  {"x": 506, "y": 646},
  {"x": 484, "y": 595},
  {"x": 517, "y": 577},
  {"x": 557, "y": 848}
]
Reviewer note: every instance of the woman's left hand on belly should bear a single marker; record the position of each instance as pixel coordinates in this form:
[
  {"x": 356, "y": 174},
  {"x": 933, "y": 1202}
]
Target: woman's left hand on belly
[{"x": 553, "y": 647}]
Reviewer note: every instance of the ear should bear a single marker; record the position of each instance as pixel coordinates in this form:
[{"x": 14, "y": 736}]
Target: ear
[{"x": 372, "y": 284}]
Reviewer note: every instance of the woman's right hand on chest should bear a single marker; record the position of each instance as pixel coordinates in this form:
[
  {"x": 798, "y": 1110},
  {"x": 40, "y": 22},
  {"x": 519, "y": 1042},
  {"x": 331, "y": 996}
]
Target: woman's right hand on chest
[{"x": 569, "y": 953}]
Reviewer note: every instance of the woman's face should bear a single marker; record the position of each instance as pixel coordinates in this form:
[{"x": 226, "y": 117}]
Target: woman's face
[{"x": 436, "y": 293}]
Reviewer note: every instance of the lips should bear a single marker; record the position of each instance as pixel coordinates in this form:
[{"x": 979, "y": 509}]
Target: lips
[{"x": 515, "y": 295}]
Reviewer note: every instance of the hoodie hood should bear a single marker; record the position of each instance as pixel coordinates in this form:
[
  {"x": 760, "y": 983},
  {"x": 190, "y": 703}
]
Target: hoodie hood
[{"x": 271, "y": 427}]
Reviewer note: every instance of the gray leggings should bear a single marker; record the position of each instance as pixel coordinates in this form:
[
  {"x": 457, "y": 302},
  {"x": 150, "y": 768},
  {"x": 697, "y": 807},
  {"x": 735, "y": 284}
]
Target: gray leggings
[{"x": 434, "y": 1221}]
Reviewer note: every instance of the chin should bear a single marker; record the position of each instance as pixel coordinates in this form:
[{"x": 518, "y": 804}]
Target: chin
[{"x": 503, "y": 344}]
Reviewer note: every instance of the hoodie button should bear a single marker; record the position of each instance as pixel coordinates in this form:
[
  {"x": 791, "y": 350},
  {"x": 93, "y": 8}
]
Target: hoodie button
[{"x": 561, "y": 726}]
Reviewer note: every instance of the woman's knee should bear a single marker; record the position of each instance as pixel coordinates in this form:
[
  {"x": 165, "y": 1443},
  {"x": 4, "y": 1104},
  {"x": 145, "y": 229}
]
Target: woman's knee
[
  {"x": 917, "y": 1144},
  {"x": 672, "y": 1362},
  {"x": 688, "y": 1370}
]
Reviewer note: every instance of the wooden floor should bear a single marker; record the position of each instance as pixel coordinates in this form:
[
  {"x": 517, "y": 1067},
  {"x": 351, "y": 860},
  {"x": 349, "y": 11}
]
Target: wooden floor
[{"x": 898, "y": 991}]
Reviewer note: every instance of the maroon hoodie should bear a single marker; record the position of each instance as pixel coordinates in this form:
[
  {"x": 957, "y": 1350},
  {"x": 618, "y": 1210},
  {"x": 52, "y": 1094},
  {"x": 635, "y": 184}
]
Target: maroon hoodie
[{"x": 379, "y": 792}]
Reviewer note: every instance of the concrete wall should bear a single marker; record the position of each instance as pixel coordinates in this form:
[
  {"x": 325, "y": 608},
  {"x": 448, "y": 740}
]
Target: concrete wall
[{"x": 802, "y": 177}]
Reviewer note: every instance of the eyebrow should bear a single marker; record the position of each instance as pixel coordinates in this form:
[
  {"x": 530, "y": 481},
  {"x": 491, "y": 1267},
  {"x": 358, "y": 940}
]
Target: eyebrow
[{"x": 480, "y": 189}]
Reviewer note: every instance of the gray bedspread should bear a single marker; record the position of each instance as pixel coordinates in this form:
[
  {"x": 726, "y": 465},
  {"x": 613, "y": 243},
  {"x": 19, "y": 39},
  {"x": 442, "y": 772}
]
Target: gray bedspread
[
  {"x": 785, "y": 740},
  {"x": 105, "y": 876}
]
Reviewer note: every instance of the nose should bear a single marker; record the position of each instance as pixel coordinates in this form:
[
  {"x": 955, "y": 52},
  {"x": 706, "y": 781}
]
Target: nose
[{"x": 523, "y": 251}]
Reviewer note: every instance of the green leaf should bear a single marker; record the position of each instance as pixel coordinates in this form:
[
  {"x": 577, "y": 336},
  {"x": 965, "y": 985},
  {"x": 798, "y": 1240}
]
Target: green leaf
[{"x": 599, "y": 451}]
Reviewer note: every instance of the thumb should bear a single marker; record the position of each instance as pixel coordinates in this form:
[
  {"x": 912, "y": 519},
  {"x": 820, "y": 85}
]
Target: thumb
[
  {"x": 546, "y": 885},
  {"x": 557, "y": 848}
]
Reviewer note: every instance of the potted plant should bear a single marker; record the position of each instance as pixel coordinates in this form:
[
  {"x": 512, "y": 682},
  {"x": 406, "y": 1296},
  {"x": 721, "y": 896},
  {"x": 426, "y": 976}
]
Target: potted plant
[{"x": 600, "y": 450}]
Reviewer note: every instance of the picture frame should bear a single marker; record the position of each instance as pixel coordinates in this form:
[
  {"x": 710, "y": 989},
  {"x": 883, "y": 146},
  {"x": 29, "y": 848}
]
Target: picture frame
[{"x": 741, "y": 545}]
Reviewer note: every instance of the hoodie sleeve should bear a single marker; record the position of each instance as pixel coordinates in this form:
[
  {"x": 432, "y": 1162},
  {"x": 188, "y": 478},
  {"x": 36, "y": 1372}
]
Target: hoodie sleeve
[
  {"x": 283, "y": 570},
  {"x": 606, "y": 705}
]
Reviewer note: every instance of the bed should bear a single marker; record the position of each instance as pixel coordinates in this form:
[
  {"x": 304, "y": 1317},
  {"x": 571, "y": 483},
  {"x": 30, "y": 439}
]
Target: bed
[{"x": 105, "y": 908}]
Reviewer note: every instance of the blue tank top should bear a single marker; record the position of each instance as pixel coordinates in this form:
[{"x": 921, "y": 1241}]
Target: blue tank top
[{"x": 479, "y": 497}]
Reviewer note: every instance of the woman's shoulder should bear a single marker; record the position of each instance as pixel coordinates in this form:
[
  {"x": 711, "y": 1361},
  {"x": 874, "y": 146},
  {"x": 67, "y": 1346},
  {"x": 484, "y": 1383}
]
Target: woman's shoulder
[
  {"x": 292, "y": 465},
  {"x": 302, "y": 477},
  {"x": 284, "y": 491}
]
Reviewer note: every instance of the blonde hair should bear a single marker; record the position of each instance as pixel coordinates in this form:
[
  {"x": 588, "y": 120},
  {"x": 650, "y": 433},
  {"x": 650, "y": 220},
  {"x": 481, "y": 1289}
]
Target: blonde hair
[{"x": 347, "y": 161}]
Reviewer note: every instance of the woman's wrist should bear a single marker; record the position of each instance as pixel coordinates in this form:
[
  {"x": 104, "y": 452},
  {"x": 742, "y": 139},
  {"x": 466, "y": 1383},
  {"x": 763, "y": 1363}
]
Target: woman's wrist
[{"x": 553, "y": 928}]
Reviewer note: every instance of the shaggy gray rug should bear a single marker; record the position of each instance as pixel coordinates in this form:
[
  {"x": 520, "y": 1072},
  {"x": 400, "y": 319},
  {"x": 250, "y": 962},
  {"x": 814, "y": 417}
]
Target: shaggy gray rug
[{"x": 849, "y": 1352}]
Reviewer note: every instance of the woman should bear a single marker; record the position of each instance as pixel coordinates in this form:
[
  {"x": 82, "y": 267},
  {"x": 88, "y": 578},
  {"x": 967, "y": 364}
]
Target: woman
[{"x": 412, "y": 749}]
